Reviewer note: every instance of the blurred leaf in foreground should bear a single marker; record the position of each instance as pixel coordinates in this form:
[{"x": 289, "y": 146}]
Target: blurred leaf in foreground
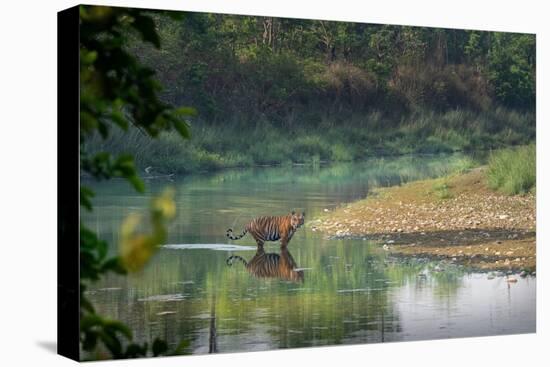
[{"x": 136, "y": 248}]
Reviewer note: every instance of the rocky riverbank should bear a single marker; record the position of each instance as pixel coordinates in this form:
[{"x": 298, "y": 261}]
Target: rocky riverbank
[{"x": 456, "y": 218}]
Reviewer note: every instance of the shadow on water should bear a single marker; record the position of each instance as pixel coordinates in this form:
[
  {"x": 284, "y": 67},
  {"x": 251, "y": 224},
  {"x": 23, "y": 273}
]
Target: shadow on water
[
  {"x": 271, "y": 265},
  {"x": 455, "y": 237}
]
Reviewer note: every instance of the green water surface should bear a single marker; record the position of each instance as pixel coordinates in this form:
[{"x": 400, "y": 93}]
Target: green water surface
[{"x": 352, "y": 291}]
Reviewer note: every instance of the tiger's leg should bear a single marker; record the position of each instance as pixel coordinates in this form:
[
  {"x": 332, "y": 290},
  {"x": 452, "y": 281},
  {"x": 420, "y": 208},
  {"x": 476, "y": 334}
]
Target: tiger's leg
[
  {"x": 259, "y": 240},
  {"x": 284, "y": 241}
]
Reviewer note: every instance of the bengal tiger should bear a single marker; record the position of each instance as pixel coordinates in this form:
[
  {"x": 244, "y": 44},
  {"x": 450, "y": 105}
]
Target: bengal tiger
[
  {"x": 272, "y": 228},
  {"x": 271, "y": 265}
]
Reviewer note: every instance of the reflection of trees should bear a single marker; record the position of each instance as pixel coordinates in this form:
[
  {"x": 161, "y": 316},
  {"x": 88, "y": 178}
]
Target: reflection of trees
[
  {"x": 247, "y": 309},
  {"x": 443, "y": 281},
  {"x": 325, "y": 309},
  {"x": 213, "y": 344},
  {"x": 345, "y": 298}
]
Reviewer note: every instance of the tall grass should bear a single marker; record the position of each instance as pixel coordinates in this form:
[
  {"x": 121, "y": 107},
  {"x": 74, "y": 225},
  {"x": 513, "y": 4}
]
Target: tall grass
[
  {"x": 238, "y": 142},
  {"x": 513, "y": 171}
]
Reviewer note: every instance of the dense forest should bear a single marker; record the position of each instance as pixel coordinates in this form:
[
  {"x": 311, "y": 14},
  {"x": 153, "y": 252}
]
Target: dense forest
[{"x": 280, "y": 91}]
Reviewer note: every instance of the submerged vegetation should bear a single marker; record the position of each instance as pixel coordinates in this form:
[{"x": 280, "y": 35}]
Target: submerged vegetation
[
  {"x": 513, "y": 170},
  {"x": 274, "y": 91}
]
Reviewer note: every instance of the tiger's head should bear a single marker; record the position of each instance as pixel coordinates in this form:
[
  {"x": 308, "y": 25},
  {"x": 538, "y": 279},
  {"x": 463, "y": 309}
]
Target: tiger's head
[{"x": 297, "y": 219}]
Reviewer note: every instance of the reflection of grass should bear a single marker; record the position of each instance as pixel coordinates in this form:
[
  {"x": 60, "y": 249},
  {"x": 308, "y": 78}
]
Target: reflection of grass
[{"x": 513, "y": 171}]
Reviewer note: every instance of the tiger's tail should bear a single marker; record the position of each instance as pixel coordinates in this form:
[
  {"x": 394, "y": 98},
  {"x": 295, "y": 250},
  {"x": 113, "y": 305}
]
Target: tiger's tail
[
  {"x": 230, "y": 259},
  {"x": 230, "y": 234}
]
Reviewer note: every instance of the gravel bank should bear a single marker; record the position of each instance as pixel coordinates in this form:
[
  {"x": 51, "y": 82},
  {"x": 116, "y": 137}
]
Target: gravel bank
[{"x": 455, "y": 218}]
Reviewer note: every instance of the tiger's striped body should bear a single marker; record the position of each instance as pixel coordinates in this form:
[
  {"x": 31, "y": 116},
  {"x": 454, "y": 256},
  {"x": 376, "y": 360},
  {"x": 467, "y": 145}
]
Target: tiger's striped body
[
  {"x": 271, "y": 265},
  {"x": 271, "y": 228}
]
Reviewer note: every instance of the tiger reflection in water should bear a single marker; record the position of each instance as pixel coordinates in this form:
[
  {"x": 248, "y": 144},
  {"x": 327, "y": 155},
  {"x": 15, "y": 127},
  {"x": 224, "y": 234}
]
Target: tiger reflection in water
[{"x": 271, "y": 265}]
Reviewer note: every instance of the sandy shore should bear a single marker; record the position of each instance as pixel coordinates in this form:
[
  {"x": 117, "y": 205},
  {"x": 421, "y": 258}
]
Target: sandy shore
[{"x": 456, "y": 218}]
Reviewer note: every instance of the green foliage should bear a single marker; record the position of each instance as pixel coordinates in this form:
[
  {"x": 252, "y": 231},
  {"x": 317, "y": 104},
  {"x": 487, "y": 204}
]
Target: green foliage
[
  {"x": 356, "y": 137},
  {"x": 281, "y": 69},
  {"x": 274, "y": 91},
  {"x": 115, "y": 86},
  {"x": 513, "y": 171},
  {"x": 512, "y": 68},
  {"x": 441, "y": 190},
  {"x": 442, "y": 187},
  {"x": 136, "y": 248},
  {"x": 117, "y": 90}
]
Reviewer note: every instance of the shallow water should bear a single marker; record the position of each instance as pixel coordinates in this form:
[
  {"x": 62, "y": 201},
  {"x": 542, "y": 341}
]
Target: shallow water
[{"x": 352, "y": 291}]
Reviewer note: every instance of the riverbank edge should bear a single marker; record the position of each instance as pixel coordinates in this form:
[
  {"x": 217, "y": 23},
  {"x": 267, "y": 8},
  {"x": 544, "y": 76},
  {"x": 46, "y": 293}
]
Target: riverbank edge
[
  {"x": 455, "y": 218},
  {"x": 320, "y": 163}
]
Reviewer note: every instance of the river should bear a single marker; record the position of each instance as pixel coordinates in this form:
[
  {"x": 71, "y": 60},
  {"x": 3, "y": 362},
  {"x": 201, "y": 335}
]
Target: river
[{"x": 352, "y": 291}]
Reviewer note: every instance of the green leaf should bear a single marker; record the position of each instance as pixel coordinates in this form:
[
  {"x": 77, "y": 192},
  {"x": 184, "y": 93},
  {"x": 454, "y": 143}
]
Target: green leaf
[
  {"x": 118, "y": 118},
  {"x": 113, "y": 264},
  {"x": 85, "y": 197},
  {"x": 159, "y": 347},
  {"x": 137, "y": 183},
  {"x": 135, "y": 350},
  {"x": 90, "y": 321},
  {"x": 86, "y": 305},
  {"x": 109, "y": 338},
  {"x": 118, "y": 326},
  {"x": 180, "y": 349},
  {"x": 89, "y": 341},
  {"x": 88, "y": 122},
  {"x": 103, "y": 129},
  {"x": 88, "y": 57},
  {"x": 146, "y": 27},
  {"x": 182, "y": 128},
  {"x": 185, "y": 111}
]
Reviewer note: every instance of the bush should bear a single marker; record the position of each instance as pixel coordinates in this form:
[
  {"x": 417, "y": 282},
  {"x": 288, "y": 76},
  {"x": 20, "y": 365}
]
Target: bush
[
  {"x": 450, "y": 87},
  {"x": 513, "y": 171},
  {"x": 242, "y": 142}
]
